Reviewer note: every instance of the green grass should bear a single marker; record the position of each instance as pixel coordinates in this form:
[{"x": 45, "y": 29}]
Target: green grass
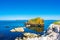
[{"x": 57, "y": 22}]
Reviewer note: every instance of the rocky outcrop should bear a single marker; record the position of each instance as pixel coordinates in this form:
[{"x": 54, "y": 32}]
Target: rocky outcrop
[
  {"x": 36, "y": 24},
  {"x": 19, "y": 29},
  {"x": 36, "y": 21},
  {"x": 29, "y": 36},
  {"x": 53, "y": 32}
]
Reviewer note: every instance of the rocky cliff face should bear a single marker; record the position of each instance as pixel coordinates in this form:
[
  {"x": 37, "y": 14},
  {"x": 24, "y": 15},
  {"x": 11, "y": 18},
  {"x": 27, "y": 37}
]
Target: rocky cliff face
[
  {"x": 36, "y": 24},
  {"x": 53, "y": 32}
]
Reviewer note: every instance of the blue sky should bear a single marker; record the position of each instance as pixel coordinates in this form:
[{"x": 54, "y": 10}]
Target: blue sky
[{"x": 27, "y": 9}]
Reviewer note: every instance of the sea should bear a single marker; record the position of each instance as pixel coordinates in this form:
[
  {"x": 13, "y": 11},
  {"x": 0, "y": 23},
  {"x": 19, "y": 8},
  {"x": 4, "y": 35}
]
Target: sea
[{"x": 7, "y": 25}]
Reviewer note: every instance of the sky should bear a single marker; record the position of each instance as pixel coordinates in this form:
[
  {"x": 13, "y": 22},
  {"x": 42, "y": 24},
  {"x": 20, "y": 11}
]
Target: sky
[{"x": 27, "y": 9}]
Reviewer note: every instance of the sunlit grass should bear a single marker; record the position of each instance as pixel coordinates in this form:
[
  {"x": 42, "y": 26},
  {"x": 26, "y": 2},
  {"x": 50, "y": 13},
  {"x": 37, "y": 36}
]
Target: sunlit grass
[{"x": 57, "y": 22}]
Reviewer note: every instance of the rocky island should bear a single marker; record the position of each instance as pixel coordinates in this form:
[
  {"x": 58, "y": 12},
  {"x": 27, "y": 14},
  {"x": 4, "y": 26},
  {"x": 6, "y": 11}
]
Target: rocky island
[{"x": 36, "y": 24}]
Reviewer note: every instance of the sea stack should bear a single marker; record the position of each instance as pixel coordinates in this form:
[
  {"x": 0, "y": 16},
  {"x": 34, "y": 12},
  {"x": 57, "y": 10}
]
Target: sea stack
[{"x": 36, "y": 24}]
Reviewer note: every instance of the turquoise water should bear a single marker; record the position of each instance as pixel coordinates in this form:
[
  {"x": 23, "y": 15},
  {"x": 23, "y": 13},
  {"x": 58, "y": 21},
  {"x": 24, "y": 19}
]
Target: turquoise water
[{"x": 6, "y": 26}]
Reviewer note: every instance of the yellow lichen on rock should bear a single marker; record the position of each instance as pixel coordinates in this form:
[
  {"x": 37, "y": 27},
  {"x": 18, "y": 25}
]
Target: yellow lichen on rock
[{"x": 36, "y": 21}]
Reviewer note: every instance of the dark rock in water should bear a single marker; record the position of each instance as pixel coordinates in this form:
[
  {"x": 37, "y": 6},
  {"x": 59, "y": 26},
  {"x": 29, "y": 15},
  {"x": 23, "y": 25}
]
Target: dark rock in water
[{"x": 7, "y": 27}]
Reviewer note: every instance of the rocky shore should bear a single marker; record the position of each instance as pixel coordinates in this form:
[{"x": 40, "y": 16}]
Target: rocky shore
[
  {"x": 52, "y": 33},
  {"x": 29, "y": 36}
]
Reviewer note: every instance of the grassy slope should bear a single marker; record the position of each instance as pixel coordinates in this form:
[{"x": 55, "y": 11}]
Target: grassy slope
[{"x": 57, "y": 22}]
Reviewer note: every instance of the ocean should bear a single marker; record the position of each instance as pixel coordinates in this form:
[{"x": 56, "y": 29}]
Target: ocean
[{"x": 7, "y": 25}]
